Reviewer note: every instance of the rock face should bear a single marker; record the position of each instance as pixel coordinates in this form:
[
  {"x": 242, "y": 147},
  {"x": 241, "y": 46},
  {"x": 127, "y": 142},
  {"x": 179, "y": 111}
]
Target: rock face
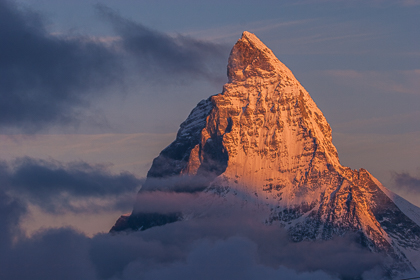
[{"x": 264, "y": 139}]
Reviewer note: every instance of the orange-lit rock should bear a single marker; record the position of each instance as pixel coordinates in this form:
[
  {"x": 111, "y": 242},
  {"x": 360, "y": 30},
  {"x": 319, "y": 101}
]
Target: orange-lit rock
[{"x": 264, "y": 140}]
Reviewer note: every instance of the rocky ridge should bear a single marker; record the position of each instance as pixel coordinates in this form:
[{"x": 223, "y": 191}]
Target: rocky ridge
[{"x": 265, "y": 140}]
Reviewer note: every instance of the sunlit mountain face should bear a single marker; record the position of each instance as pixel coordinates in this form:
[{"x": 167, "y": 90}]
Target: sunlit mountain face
[{"x": 263, "y": 148}]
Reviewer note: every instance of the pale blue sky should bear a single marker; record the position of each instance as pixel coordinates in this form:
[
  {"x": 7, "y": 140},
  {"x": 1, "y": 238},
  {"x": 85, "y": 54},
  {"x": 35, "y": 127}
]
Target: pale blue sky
[{"x": 359, "y": 60}]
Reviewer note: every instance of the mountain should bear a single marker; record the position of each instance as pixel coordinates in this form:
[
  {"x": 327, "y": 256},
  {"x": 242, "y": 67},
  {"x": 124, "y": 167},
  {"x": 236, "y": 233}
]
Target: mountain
[{"x": 264, "y": 140}]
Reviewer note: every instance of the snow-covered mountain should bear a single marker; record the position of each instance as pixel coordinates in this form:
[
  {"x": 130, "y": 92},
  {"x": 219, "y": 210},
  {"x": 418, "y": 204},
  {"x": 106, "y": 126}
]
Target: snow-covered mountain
[{"x": 264, "y": 140}]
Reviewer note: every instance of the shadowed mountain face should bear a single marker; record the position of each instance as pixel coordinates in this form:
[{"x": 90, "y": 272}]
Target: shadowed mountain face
[{"x": 264, "y": 142}]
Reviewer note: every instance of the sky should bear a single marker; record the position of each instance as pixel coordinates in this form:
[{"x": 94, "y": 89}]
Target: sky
[{"x": 92, "y": 91}]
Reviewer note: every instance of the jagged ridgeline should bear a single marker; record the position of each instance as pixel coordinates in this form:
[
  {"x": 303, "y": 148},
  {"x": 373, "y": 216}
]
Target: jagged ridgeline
[{"x": 264, "y": 140}]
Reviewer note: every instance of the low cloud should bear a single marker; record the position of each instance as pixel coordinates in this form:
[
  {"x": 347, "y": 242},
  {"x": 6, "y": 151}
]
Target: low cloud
[
  {"x": 233, "y": 258},
  {"x": 223, "y": 241},
  {"x": 179, "y": 184},
  {"x": 49, "y": 255},
  {"x": 234, "y": 245},
  {"x": 227, "y": 247},
  {"x": 75, "y": 186},
  {"x": 166, "y": 202}
]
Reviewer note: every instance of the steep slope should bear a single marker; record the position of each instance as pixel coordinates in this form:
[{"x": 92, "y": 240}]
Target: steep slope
[{"x": 263, "y": 139}]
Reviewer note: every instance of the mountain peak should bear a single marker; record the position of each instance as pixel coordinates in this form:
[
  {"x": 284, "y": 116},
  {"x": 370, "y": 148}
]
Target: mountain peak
[
  {"x": 252, "y": 39},
  {"x": 264, "y": 143},
  {"x": 252, "y": 58}
]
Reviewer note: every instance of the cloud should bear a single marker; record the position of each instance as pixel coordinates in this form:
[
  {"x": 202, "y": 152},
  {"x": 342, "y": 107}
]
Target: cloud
[
  {"x": 407, "y": 185},
  {"x": 227, "y": 247},
  {"x": 159, "y": 54},
  {"x": 130, "y": 152},
  {"x": 233, "y": 258},
  {"x": 44, "y": 78},
  {"x": 235, "y": 245},
  {"x": 406, "y": 182},
  {"x": 212, "y": 220},
  {"x": 49, "y": 255},
  {"x": 50, "y": 79},
  {"x": 10, "y": 212},
  {"x": 179, "y": 184},
  {"x": 75, "y": 186},
  {"x": 166, "y": 202}
]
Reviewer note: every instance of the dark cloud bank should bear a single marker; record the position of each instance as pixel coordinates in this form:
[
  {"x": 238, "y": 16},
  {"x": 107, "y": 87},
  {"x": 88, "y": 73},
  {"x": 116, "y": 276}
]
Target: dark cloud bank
[
  {"x": 48, "y": 79},
  {"x": 225, "y": 243},
  {"x": 44, "y": 77},
  {"x": 198, "y": 249},
  {"x": 54, "y": 186},
  {"x": 158, "y": 54}
]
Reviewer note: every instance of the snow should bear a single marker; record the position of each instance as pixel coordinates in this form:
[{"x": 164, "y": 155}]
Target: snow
[
  {"x": 410, "y": 210},
  {"x": 281, "y": 158}
]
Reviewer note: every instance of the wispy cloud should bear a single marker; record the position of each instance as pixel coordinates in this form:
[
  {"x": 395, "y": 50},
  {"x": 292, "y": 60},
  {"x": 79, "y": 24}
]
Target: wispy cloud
[
  {"x": 56, "y": 187},
  {"x": 50, "y": 79},
  {"x": 398, "y": 81},
  {"x": 131, "y": 152},
  {"x": 159, "y": 53},
  {"x": 407, "y": 183},
  {"x": 44, "y": 77}
]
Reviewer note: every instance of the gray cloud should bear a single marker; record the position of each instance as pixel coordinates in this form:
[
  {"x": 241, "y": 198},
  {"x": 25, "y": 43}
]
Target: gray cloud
[
  {"x": 10, "y": 212},
  {"x": 166, "y": 57},
  {"x": 55, "y": 186},
  {"x": 230, "y": 246},
  {"x": 406, "y": 182},
  {"x": 233, "y": 258},
  {"x": 50, "y": 255},
  {"x": 180, "y": 184},
  {"x": 44, "y": 78},
  {"x": 50, "y": 79}
]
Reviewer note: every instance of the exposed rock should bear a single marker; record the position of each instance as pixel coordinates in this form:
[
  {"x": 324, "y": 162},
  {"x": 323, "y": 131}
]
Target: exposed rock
[{"x": 263, "y": 138}]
